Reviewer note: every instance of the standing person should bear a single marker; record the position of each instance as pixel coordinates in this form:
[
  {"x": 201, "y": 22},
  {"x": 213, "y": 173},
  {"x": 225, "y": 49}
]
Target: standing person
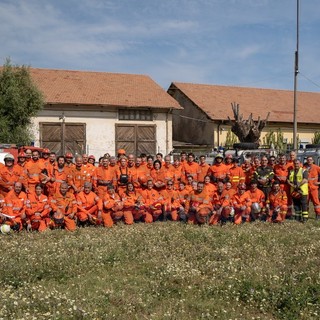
[
  {"x": 178, "y": 172},
  {"x": 89, "y": 206},
  {"x": 168, "y": 169},
  {"x": 191, "y": 168},
  {"x": 15, "y": 207},
  {"x": 64, "y": 208},
  {"x": 313, "y": 184},
  {"x": 36, "y": 172},
  {"x": 123, "y": 176},
  {"x": 209, "y": 187},
  {"x": 298, "y": 181},
  {"x": 37, "y": 210},
  {"x": 228, "y": 161},
  {"x": 28, "y": 153},
  {"x": 236, "y": 174},
  {"x": 203, "y": 168},
  {"x": 219, "y": 171},
  {"x": 59, "y": 175},
  {"x": 45, "y": 157},
  {"x": 183, "y": 158},
  {"x": 103, "y": 177},
  {"x": 77, "y": 176},
  {"x": 140, "y": 175},
  {"x": 9, "y": 174},
  {"x": 264, "y": 176},
  {"x": 69, "y": 160},
  {"x": 92, "y": 160}
]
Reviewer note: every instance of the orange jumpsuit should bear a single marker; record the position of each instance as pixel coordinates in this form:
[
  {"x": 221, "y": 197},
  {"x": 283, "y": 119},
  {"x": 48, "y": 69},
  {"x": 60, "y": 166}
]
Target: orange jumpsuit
[
  {"x": 133, "y": 205},
  {"x": 221, "y": 207},
  {"x": 113, "y": 210},
  {"x": 38, "y": 204},
  {"x": 203, "y": 171},
  {"x": 88, "y": 206},
  {"x": 242, "y": 207},
  {"x": 158, "y": 177},
  {"x": 15, "y": 207},
  {"x": 34, "y": 174},
  {"x": 168, "y": 172},
  {"x": 8, "y": 176},
  {"x": 102, "y": 177},
  {"x": 67, "y": 205},
  {"x": 257, "y": 196},
  {"x": 314, "y": 172},
  {"x": 191, "y": 169},
  {"x": 178, "y": 175},
  {"x": 219, "y": 172},
  {"x": 278, "y": 203},
  {"x": 198, "y": 207},
  {"x": 153, "y": 202},
  {"x": 210, "y": 189},
  {"x": 171, "y": 202},
  {"x": 236, "y": 176},
  {"x": 60, "y": 176},
  {"x": 77, "y": 177},
  {"x": 139, "y": 177}
]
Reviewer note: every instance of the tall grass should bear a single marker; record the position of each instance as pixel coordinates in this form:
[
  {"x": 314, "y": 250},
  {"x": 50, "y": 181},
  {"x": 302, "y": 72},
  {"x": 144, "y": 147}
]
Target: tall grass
[{"x": 163, "y": 271}]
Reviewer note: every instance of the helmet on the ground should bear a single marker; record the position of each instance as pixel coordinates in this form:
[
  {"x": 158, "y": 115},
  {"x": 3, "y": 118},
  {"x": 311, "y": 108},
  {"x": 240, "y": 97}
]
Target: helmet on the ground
[{"x": 255, "y": 208}]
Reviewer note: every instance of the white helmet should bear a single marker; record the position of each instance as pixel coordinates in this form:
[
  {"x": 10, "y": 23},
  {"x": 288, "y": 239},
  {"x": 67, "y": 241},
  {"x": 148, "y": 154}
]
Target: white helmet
[
  {"x": 255, "y": 207},
  {"x": 5, "y": 228},
  {"x": 8, "y": 156}
]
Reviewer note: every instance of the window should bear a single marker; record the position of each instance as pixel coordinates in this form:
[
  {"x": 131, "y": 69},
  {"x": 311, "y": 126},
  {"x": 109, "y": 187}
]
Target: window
[{"x": 129, "y": 114}]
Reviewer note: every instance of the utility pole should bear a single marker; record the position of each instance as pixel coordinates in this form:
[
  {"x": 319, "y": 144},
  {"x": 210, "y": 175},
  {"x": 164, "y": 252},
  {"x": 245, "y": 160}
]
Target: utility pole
[{"x": 296, "y": 72}]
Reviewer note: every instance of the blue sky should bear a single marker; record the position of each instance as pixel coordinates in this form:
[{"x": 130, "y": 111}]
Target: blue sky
[{"x": 247, "y": 43}]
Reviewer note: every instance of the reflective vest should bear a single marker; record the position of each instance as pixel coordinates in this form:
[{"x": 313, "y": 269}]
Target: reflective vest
[{"x": 299, "y": 178}]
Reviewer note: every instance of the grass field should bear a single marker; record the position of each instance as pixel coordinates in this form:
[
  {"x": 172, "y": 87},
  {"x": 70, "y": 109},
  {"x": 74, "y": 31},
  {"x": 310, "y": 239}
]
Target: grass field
[{"x": 163, "y": 271}]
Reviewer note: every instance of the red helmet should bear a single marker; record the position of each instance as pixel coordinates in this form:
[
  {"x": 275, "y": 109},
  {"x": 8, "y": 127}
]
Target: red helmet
[
  {"x": 22, "y": 155},
  {"x": 92, "y": 157},
  {"x": 45, "y": 151},
  {"x": 68, "y": 155}
]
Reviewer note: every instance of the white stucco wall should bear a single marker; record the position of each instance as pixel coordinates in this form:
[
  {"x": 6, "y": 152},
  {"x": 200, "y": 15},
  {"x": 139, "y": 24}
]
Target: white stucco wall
[{"x": 100, "y": 129}]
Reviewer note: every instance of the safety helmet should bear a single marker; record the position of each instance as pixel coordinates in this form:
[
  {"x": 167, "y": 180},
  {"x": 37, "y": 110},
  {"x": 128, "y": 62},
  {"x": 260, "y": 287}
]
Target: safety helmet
[
  {"x": 219, "y": 155},
  {"x": 121, "y": 151},
  {"x": 8, "y": 156},
  {"x": 45, "y": 151},
  {"x": 22, "y": 155},
  {"x": 255, "y": 207},
  {"x": 68, "y": 155},
  {"x": 92, "y": 157}
]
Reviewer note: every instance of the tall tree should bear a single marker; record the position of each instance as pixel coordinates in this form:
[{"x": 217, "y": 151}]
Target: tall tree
[{"x": 20, "y": 100}]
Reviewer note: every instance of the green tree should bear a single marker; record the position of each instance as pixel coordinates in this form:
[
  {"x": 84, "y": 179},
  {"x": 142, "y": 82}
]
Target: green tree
[
  {"x": 20, "y": 100},
  {"x": 316, "y": 138},
  {"x": 231, "y": 138}
]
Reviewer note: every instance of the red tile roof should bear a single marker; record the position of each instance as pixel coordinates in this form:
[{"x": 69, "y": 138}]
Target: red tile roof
[
  {"x": 216, "y": 101},
  {"x": 101, "y": 88}
]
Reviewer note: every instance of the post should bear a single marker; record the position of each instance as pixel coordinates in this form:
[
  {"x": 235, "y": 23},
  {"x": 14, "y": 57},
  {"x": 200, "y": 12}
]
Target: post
[{"x": 296, "y": 72}]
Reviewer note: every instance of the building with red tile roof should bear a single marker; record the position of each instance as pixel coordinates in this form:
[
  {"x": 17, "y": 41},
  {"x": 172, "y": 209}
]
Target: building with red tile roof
[
  {"x": 100, "y": 112},
  {"x": 206, "y": 109}
]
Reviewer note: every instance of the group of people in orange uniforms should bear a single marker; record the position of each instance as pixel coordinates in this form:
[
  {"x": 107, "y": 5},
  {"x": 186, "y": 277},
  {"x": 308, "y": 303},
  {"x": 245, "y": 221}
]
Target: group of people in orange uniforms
[{"x": 40, "y": 192}]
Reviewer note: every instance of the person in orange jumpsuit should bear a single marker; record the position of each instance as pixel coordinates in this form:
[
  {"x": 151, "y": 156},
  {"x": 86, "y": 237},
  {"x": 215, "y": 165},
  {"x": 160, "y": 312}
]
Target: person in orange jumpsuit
[
  {"x": 290, "y": 161},
  {"x": 281, "y": 174},
  {"x": 241, "y": 202},
  {"x": 153, "y": 203},
  {"x": 258, "y": 202},
  {"x": 45, "y": 157},
  {"x": 14, "y": 213},
  {"x": 77, "y": 176},
  {"x": 248, "y": 172},
  {"x": 64, "y": 208},
  {"x": 133, "y": 203},
  {"x": 168, "y": 169},
  {"x": 209, "y": 187},
  {"x": 36, "y": 172},
  {"x": 9, "y": 174},
  {"x": 222, "y": 206},
  {"x": 28, "y": 153},
  {"x": 171, "y": 202},
  {"x": 236, "y": 174},
  {"x": 89, "y": 206},
  {"x": 229, "y": 161},
  {"x": 139, "y": 175},
  {"x": 198, "y": 206},
  {"x": 92, "y": 160},
  {"x": 191, "y": 168},
  {"x": 37, "y": 210},
  {"x": 189, "y": 183},
  {"x": 113, "y": 209},
  {"x": 183, "y": 197},
  {"x": 104, "y": 176},
  {"x": 219, "y": 171},
  {"x": 313, "y": 184},
  {"x": 183, "y": 158},
  {"x": 158, "y": 176},
  {"x": 123, "y": 176},
  {"x": 203, "y": 168},
  {"x": 59, "y": 175},
  {"x": 113, "y": 165},
  {"x": 277, "y": 204},
  {"x": 131, "y": 165},
  {"x": 178, "y": 172}
]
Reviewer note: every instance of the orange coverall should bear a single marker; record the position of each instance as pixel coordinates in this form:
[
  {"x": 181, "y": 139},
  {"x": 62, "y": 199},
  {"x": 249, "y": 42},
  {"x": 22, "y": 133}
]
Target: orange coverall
[
  {"x": 153, "y": 202},
  {"x": 113, "y": 210},
  {"x": 242, "y": 207},
  {"x": 8, "y": 176},
  {"x": 40, "y": 205},
  {"x": 88, "y": 206},
  {"x": 102, "y": 177},
  {"x": 171, "y": 202},
  {"x": 277, "y": 201},
  {"x": 198, "y": 207}
]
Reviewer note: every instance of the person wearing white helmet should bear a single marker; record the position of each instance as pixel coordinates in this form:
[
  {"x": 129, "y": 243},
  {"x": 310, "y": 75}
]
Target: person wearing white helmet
[
  {"x": 219, "y": 172},
  {"x": 9, "y": 174}
]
